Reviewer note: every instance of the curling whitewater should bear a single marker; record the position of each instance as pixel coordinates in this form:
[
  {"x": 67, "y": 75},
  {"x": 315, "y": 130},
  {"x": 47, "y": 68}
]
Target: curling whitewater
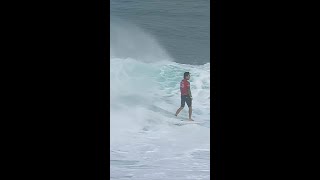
[{"x": 144, "y": 142}]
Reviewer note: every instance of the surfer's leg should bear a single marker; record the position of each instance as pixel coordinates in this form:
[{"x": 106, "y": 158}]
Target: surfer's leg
[
  {"x": 183, "y": 102},
  {"x": 178, "y": 111},
  {"x": 189, "y": 103},
  {"x": 190, "y": 113}
]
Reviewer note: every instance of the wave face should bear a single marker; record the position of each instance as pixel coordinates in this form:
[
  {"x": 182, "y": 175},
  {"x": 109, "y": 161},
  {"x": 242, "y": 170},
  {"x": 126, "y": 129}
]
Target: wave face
[
  {"x": 182, "y": 27},
  {"x": 128, "y": 40},
  {"x": 145, "y": 143}
]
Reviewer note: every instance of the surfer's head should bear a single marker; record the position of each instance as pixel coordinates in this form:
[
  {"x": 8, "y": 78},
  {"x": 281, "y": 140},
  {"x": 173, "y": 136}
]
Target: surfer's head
[{"x": 186, "y": 75}]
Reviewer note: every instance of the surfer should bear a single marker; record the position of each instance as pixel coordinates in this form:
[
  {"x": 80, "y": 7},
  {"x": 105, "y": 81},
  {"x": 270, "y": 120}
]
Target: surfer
[{"x": 186, "y": 96}]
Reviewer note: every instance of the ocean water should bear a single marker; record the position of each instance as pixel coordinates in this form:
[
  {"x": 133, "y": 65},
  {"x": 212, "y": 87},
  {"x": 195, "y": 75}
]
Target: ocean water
[
  {"x": 145, "y": 141},
  {"x": 182, "y": 27}
]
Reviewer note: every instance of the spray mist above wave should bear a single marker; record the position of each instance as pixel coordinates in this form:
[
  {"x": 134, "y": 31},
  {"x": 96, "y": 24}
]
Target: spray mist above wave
[{"x": 129, "y": 41}]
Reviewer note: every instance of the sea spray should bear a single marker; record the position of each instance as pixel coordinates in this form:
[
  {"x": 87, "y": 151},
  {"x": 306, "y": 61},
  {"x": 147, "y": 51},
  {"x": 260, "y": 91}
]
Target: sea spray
[{"x": 130, "y": 41}]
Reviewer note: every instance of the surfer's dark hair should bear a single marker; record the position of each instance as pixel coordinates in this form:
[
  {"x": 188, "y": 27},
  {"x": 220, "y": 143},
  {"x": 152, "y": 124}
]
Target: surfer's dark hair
[{"x": 186, "y": 74}]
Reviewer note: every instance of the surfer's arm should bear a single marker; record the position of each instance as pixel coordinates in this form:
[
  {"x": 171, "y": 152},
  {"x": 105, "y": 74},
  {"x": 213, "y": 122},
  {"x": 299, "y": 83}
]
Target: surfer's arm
[{"x": 190, "y": 95}]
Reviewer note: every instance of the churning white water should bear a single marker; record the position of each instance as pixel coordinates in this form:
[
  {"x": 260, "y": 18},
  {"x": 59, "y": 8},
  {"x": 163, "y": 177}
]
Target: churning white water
[{"x": 145, "y": 142}]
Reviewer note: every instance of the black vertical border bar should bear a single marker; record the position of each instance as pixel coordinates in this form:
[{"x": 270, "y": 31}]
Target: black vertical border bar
[
  {"x": 216, "y": 56},
  {"x": 103, "y": 72}
]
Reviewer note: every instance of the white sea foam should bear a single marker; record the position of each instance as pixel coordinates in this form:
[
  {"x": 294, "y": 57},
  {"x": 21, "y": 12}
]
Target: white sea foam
[{"x": 145, "y": 143}]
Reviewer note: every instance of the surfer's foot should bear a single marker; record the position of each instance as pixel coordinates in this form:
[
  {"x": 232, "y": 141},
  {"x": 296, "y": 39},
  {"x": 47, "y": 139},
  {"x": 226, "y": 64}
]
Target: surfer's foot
[{"x": 191, "y": 119}]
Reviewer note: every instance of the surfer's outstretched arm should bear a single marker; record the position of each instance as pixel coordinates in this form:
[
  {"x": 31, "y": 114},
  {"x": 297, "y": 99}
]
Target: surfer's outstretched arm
[{"x": 189, "y": 92}]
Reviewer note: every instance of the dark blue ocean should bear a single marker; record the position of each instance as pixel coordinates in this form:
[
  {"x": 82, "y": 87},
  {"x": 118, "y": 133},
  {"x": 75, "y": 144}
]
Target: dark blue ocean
[{"x": 182, "y": 27}]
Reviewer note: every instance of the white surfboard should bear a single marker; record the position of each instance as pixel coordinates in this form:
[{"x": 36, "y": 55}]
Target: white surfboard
[{"x": 181, "y": 123}]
